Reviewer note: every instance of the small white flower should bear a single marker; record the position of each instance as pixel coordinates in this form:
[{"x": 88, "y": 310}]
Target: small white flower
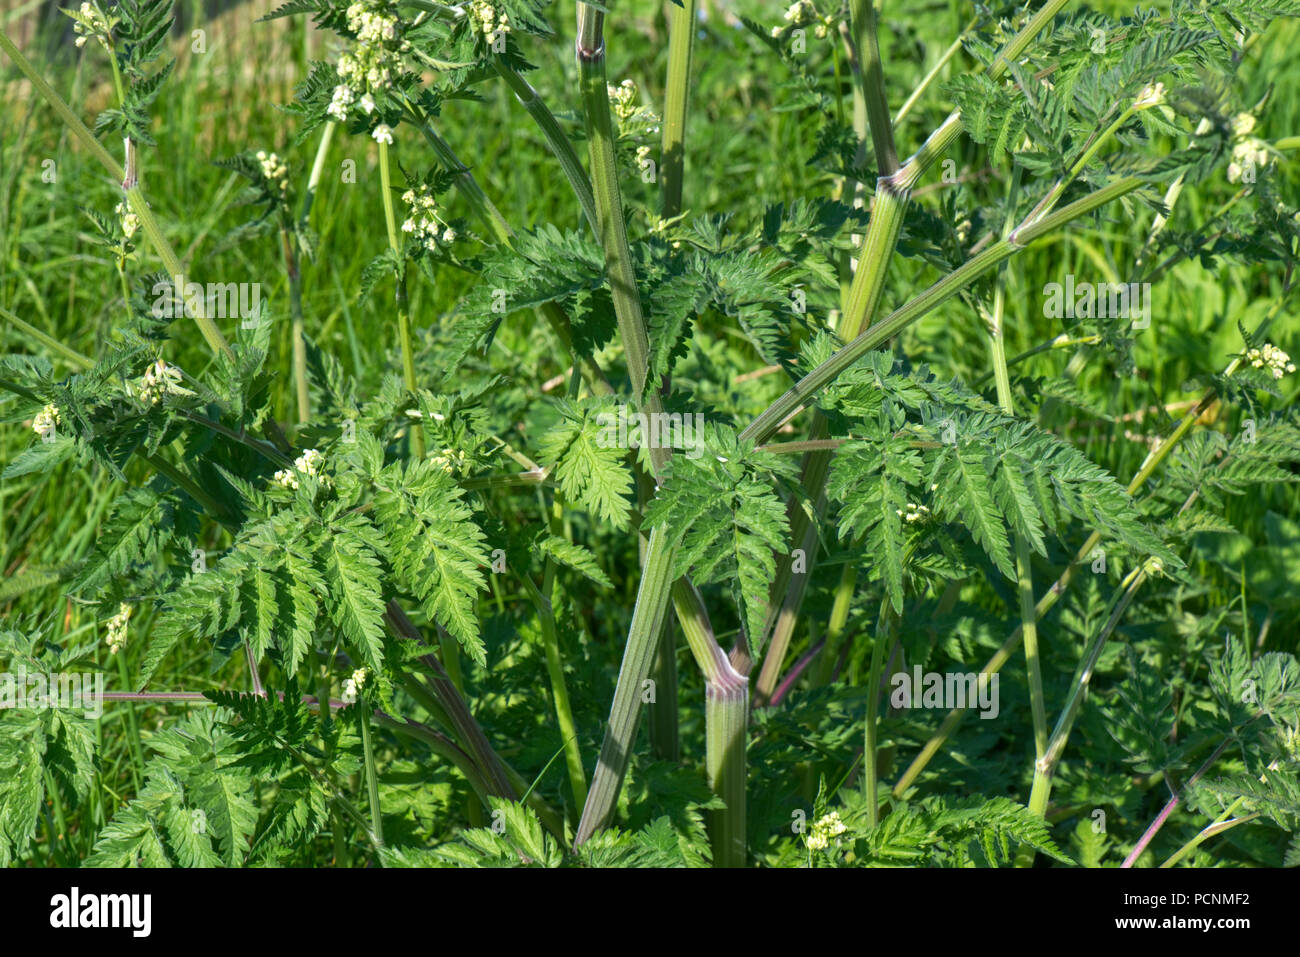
[
  {"x": 46, "y": 420},
  {"x": 1243, "y": 124},
  {"x": 339, "y": 103},
  {"x": 424, "y": 224},
  {"x": 1153, "y": 95},
  {"x": 129, "y": 220},
  {"x": 309, "y": 463},
  {"x": 1248, "y": 154},
  {"x": 275, "y": 170},
  {"x": 917, "y": 513},
  {"x": 383, "y": 134},
  {"x": 367, "y": 103},
  {"x": 827, "y": 828},
  {"x": 1277, "y": 361},
  {"x": 161, "y": 379},
  {"x": 449, "y": 460},
  {"x": 117, "y": 628},
  {"x": 90, "y": 23}
]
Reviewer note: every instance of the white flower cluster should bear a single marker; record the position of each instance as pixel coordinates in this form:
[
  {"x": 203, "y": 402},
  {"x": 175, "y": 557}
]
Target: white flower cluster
[
  {"x": 1152, "y": 95},
  {"x": 1277, "y": 361},
  {"x": 493, "y": 24},
  {"x": 372, "y": 63},
  {"x": 1248, "y": 155},
  {"x": 46, "y": 420},
  {"x": 130, "y": 221},
  {"x": 449, "y": 460},
  {"x": 631, "y": 117},
  {"x": 824, "y": 830},
  {"x": 354, "y": 684},
  {"x": 383, "y": 134},
  {"x": 623, "y": 99},
  {"x": 117, "y": 628},
  {"x": 424, "y": 225},
  {"x": 308, "y": 463},
  {"x": 88, "y": 22},
  {"x": 915, "y": 513},
  {"x": 800, "y": 14},
  {"x": 275, "y": 170},
  {"x": 161, "y": 379}
]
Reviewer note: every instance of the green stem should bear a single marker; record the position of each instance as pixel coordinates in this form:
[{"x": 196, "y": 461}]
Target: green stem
[
  {"x": 609, "y": 206},
  {"x": 1063, "y": 341},
  {"x": 889, "y": 206},
  {"x": 726, "y": 716},
  {"x": 681, "y": 40},
  {"x": 132, "y": 723},
  {"x": 72, "y": 355},
  {"x": 1218, "y": 826},
  {"x": 1024, "y": 568},
  {"x": 70, "y": 120},
  {"x": 135, "y": 196},
  {"x": 870, "y": 785},
  {"x": 1046, "y": 764},
  {"x": 839, "y": 617},
  {"x": 766, "y": 424},
  {"x": 880, "y": 244},
  {"x": 372, "y": 778},
  {"x": 556, "y": 139},
  {"x": 638, "y": 656},
  {"x": 560, "y": 691},
  {"x": 1049, "y": 599},
  {"x": 293, "y": 260},
  {"x": 186, "y": 484},
  {"x": 298, "y": 333},
  {"x": 446, "y": 701},
  {"x": 403, "y": 308},
  {"x": 665, "y": 741},
  {"x": 657, "y": 584},
  {"x": 930, "y": 77},
  {"x": 862, "y": 15}
]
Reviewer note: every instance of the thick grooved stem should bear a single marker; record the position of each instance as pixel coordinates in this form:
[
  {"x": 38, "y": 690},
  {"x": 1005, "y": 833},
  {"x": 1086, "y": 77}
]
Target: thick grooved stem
[{"x": 726, "y": 714}]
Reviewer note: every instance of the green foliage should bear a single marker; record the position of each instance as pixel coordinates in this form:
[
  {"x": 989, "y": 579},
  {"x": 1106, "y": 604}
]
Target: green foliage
[{"x": 181, "y": 535}]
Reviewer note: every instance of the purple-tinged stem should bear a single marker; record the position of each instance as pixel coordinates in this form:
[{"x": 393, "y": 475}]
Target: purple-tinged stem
[
  {"x": 1168, "y": 809},
  {"x": 797, "y": 669}
]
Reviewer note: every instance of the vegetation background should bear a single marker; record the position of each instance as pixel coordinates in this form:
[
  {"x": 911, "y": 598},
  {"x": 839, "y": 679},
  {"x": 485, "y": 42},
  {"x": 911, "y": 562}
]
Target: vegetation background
[{"x": 750, "y": 143}]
